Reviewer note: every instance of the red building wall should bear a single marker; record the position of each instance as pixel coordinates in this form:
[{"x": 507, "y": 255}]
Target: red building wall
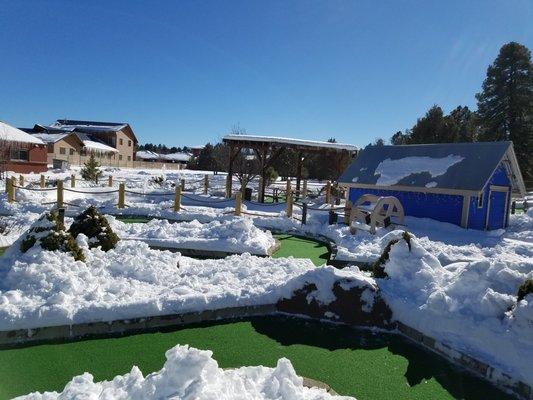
[{"x": 36, "y": 160}]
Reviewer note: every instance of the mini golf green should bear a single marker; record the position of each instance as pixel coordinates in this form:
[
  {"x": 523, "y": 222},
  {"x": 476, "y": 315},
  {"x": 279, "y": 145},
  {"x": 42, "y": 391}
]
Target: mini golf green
[{"x": 357, "y": 363}]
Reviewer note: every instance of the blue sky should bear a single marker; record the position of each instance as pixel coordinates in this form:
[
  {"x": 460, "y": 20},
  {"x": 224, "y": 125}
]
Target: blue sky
[{"x": 185, "y": 72}]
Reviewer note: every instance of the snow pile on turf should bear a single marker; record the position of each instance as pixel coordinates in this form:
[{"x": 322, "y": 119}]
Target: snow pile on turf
[
  {"x": 470, "y": 306},
  {"x": 189, "y": 373},
  {"x": 229, "y": 234},
  {"x": 43, "y": 288}
]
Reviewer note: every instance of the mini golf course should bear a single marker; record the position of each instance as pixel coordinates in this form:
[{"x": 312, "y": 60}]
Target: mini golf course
[{"x": 359, "y": 363}]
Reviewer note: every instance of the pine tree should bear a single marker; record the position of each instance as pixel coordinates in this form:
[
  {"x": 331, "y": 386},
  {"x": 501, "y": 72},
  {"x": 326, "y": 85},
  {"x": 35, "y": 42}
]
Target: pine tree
[
  {"x": 91, "y": 170},
  {"x": 505, "y": 105}
]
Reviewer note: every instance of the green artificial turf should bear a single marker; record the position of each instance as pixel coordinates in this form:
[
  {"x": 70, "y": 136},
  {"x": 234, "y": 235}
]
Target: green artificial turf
[
  {"x": 300, "y": 247},
  {"x": 2, "y": 250},
  {"x": 361, "y": 364}
]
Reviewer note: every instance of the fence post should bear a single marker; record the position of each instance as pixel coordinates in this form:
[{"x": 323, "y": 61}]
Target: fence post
[
  {"x": 182, "y": 183},
  {"x": 121, "y": 195},
  {"x": 72, "y": 180},
  {"x": 238, "y": 202},
  {"x": 304, "y": 213},
  {"x": 289, "y": 203},
  {"x": 59, "y": 194},
  {"x": 177, "y": 199},
  {"x": 206, "y": 183},
  {"x": 304, "y": 189},
  {"x": 10, "y": 190},
  {"x": 110, "y": 181},
  {"x": 21, "y": 181},
  {"x": 347, "y": 212},
  {"x": 328, "y": 192},
  {"x": 43, "y": 181},
  {"x": 288, "y": 187}
]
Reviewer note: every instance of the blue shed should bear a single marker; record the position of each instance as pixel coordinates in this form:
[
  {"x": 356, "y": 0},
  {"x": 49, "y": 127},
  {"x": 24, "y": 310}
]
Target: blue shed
[{"x": 466, "y": 184}]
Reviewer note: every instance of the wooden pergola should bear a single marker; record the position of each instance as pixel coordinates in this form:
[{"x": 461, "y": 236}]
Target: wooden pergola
[{"x": 268, "y": 148}]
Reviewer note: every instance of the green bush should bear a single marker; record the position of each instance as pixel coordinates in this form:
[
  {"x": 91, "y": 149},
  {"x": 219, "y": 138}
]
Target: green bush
[
  {"x": 49, "y": 233},
  {"x": 378, "y": 268},
  {"x": 525, "y": 289},
  {"x": 96, "y": 227}
]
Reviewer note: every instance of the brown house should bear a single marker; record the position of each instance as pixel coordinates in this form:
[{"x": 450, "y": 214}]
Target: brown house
[{"x": 112, "y": 143}]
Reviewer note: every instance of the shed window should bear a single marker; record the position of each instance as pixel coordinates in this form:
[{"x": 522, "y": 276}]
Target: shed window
[
  {"x": 480, "y": 201},
  {"x": 120, "y": 157},
  {"x": 71, "y": 152},
  {"x": 121, "y": 142},
  {"x": 19, "y": 155},
  {"x": 129, "y": 158},
  {"x": 62, "y": 150},
  {"x": 129, "y": 143}
]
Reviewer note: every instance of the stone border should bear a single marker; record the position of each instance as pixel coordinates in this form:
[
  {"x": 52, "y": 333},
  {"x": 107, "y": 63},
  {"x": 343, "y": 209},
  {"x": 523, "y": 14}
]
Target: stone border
[
  {"x": 479, "y": 368},
  {"x": 127, "y": 326}
]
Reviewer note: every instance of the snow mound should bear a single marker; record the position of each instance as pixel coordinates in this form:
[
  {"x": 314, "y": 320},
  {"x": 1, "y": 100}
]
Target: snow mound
[
  {"x": 44, "y": 288},
  {"x": 190, "y": 373},
  {"x": 469, "y": 305},
  {"x": 229, "y": 234}
]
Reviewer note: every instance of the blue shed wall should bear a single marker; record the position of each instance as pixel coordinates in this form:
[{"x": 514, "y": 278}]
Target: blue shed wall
[
  {"x": 478, "y": 216},
  {"x": 441, "y": 207}
]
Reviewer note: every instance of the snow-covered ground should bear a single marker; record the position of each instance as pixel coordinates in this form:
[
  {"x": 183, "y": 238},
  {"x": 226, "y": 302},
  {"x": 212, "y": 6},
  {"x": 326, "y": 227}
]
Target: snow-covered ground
[
  {"x": 43, "y": 288},
  {"x": 228, "y": 234},
  {"x": 189, "y": 373},
  {"x": 471, "y": 306},
  {"x": 456, "y": 285}
]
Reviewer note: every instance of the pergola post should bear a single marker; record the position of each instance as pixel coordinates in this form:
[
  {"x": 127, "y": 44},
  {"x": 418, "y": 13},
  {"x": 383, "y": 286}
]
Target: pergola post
[
  {"x": 229, "y": 178},
  {"x": 262, "y": 183},
  {"x": 299, "y": 173}
]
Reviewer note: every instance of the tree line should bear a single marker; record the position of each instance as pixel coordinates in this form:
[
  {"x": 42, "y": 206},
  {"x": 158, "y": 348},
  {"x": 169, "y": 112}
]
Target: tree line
[
  {"x": 504, "y": 111},
  {"x": 162, "y": 148}
]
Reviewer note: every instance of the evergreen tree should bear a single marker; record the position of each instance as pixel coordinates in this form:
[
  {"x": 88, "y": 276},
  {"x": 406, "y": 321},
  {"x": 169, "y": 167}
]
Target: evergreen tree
[
  {"x": 91, "y": 170},
  {"x": 206, "y": 160},
  {"x": 505, "y": 104}
]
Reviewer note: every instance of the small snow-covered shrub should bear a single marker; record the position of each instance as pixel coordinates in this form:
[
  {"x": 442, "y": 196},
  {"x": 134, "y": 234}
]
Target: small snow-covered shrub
[
  {"x": 96, "y": 227},
  {"x": 525, "y": 289},
  {"x": 158, "y": 180},
  {"x": 378, "y": 268},
  {"x": 49, "y": 233}
]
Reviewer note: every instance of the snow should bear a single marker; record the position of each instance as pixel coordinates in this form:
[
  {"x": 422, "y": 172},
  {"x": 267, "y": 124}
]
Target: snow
[
  {"x": 299, "y": 142},
  {"x": 470, "y": 306},
  {"x": 228, "y": 234},
  {"x": 393, "y": 171},
  {"x": 12, "y": 134},
  {"x": 189, "y": 373},
  {"x": 43, "y": 288},
  {"x": 93, "y": 145},
  {"x": 146, "y": 155},
  {"x": 184, "y": 157}
]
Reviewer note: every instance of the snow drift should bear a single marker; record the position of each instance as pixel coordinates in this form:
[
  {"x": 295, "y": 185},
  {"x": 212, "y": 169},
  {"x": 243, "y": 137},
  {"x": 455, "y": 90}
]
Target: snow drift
[{"x": 191, "y": 374}]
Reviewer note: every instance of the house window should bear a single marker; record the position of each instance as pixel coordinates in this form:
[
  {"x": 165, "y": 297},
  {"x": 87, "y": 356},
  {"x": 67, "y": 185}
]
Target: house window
[
  {"x": 120, "y": 157},
  {"x": 19, "y": 155},
  {"x": 121, "y": 142},
  {"x": 62, "y": 150},
  {"x": 129, "y": 158},
  {"x": 71, "y": 152},
  {"x": 129, "y": 143},
  {"x": 480, "y": 201}
]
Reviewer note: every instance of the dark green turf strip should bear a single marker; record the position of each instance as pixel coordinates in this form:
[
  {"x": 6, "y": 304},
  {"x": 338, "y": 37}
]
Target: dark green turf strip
[
  {"x": 370, "y": 367},
  {"x": 2, "y": 251}
]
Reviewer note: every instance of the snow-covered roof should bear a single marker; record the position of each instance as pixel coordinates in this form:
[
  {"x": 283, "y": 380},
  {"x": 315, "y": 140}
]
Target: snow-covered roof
[
  {"x": 290, "y": 141},
  {"x": 93, "y": 145},
  {"x": 50, "y": 137},
  {"x": 92, "y": 125},
  {"x": 147, "y": 155},
  {"x": 185, "y": 157},
  {"x": 12, "y": 134},
  {"x": 455, "y": 166}
]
